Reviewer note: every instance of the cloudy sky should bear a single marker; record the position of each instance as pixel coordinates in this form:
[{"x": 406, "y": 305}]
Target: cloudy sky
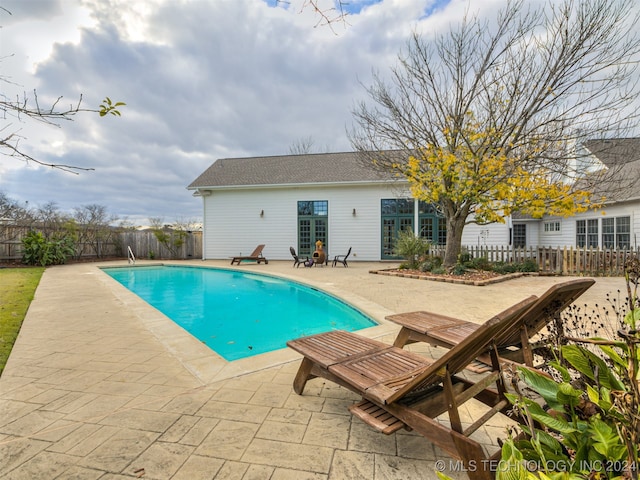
[{"x": 202, "y": 79}]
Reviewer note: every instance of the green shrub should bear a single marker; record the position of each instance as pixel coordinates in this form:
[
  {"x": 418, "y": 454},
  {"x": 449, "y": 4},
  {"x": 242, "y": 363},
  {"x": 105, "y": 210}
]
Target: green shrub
[
  {"x": 480, "y": 263},
  {"x": 591, "y": 426},
  {"x": 430, "y": 264},
  {"x": 37, "y": 250},
  {"x": 411, "y": 247}
]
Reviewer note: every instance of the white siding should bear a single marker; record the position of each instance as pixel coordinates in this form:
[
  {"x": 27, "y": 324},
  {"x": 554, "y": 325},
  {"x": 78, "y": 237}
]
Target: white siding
[
  {"x": 493, "y": 234},
  {"x": 234, "y": 225},
  {"x": 567, "y": 235}
]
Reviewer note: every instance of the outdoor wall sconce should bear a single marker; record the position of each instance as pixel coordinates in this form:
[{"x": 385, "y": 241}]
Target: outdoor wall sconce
[
  {"x": 354, "y": 212},
  {"x": 262, "y": 213}
]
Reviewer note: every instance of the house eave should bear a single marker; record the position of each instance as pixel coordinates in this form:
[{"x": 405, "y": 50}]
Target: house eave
[{"x": 364, "y": 183}]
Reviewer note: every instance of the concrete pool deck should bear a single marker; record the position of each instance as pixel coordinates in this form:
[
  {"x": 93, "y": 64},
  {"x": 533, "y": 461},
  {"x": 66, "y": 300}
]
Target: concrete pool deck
[{"x": 101, "y": 385}]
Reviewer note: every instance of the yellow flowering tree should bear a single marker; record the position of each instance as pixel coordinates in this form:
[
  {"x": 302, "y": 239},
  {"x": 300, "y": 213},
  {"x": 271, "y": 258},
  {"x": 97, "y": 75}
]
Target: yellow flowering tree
[{"x": 489, "y": 118}]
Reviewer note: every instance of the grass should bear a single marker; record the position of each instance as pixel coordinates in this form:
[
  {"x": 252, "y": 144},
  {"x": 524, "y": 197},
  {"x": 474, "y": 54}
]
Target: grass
[{"x": 17, "y": 287}]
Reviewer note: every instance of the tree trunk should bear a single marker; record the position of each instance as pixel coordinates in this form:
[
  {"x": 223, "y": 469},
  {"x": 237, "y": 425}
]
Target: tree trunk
[{"x": 455, "y": 226}]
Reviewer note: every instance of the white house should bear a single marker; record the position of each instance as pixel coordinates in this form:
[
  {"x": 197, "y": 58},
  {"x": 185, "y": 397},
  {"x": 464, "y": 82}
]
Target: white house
[{"x": 295, "y": 200}]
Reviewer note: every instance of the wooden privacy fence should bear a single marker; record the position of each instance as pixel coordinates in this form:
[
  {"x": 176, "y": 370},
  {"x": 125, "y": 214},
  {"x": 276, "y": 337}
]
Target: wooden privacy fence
[
  {"x": 558, "y": 260},
  {"x": 144, "y": 244}
]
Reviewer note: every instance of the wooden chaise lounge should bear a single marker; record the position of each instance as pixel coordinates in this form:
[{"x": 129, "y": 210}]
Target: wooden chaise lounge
[
  {"x": 256, "y": 256},
  {"x": 403, "y": 389},
  {"x": 443, "y": 331}
]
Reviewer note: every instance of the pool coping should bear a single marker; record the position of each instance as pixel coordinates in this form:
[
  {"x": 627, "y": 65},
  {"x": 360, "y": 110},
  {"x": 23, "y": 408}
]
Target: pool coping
[{"x": 203, "y": 362}]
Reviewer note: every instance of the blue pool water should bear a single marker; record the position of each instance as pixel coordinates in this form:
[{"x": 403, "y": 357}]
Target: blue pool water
[{"x": 238, "y": 314}]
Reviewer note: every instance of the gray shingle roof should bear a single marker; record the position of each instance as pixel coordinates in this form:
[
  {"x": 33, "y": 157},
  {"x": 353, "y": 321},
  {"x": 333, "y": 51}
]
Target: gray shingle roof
[
  {"x": 319, "y": 168},
  {"x": 622, "y": 157}
]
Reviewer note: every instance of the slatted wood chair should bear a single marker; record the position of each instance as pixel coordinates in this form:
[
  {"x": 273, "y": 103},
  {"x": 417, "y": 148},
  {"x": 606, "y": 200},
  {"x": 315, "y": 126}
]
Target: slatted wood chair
[
  {"x": 403, "y": 389},
  {"x": 256, "y": 256},
  {"x": 443, "y": 331}
]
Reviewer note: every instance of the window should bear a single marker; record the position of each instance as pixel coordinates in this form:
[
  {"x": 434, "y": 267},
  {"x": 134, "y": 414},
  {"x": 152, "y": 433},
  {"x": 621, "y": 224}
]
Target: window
[
  {"x": 587, "y": 233},
  {"x": 312, "y": 225},
  {"x": 552, "y": 226},
  {"x": 397, "y": 216},
  {"x": 608, "y": 233},
  {"x": 519, "y": 235},
  {"x": 432, "y": 226},
  {"x": 623, "y": 232}
]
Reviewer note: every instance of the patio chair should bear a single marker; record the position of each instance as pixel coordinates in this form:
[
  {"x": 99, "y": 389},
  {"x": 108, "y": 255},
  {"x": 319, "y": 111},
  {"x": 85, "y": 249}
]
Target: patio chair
[
  {"x": 440, "y": 330},
  {"x": 297, "y": 261},
  {"x": 403, "y": 389},
  {"x": 341, "y": 259},
  {"x": 256, "y": 256}
]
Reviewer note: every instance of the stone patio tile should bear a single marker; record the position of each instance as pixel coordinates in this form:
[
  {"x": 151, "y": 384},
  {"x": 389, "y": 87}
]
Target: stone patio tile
[
  {"x": 16, "y": 450},
  {"x": 197, "y": 467},
  {"x": 189, "y": 402},
  {"x": 141, "y": 420},
  {"x": 118, "y": 388},
  {"x": 232, "y": 471},
  {"x": 147, "y": 402},
  {"x": 363, "y": 438},
  {"x": 228, "y": 440},
  {"x": 10, "y": 410},
  {"x": 289, "y": 416},
  {"x": 31, "y": 423},
  {"x": 99, "y": 407},
  {"x": 56, "y": 431},
  {"x": 106, "y": 368},
  {"x": 305, "y": 402},
  {"x": 258, "y": 472},
  {"x": 270, "y": 395},
  {"x": 161, "y": 460},
  {"x": 233, "y": 411},
  {"x": 52, "y": 463},
  {"x": 178, "y": 430},
  {"x": 413, "y": 445},
  {"x": 233, "y": 395},
  {"x": 278, "y": 431},
  {"x": 28, "y": 389},
  {"x": 328, "y": 430},
  {"x": 119, "y": 450},
  {"x": 288, "y": 474},
  {"x": 338, "y": 406},
  {"x": 82, "y": 440},
  {"x": 352, "y": 465},
  {"x": 197, "y": 434},
  {"x": 296, "y": 456},
  {"x": 125, "y": 376},
  {"x": 397, "y": 468},
  {"x": 81, "y": 473},
  {"x": 79, "y": 383},
  {"x": 48, "y": 395},
  {"x": 12, "y": 383},
  {"x": 70, "y": 402}
]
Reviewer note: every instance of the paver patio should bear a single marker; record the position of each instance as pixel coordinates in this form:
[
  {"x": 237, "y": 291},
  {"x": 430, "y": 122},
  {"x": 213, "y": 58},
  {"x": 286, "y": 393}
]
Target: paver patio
[{"x": 102, "y": 386}]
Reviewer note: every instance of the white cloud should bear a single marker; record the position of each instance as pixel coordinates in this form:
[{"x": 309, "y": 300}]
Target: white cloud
[{"x": 202, "y": 79}]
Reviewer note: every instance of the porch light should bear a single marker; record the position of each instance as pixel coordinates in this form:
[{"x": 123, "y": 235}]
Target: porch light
[{"x": 354, "y": 212}]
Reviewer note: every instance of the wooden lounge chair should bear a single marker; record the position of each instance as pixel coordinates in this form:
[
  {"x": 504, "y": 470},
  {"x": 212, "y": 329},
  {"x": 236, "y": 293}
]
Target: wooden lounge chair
[
  {"x": 297, "y": 261},
  {"x": 341, "y": 259},
  {"x": 256, "y": 256},
  {"x": 403, "y": 389},
  {"x": 443, "y": 331}
]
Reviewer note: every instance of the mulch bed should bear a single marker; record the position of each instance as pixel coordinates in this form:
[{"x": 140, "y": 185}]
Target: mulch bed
[{"x": 477, "y": 278}]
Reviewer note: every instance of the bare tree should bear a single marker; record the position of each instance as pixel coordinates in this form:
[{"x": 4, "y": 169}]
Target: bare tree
[
  {"x": 301, "y": 146},
  {"x": 485, "y": 120},
  {"x": 93, "y": 229}
]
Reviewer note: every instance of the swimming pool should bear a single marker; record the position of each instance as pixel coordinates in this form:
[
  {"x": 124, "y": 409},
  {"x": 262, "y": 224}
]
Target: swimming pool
[{"x": 238, "y": 314}]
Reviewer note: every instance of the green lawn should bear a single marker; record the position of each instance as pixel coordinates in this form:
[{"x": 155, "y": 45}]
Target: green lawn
[{"x": 17, "y": 287}]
